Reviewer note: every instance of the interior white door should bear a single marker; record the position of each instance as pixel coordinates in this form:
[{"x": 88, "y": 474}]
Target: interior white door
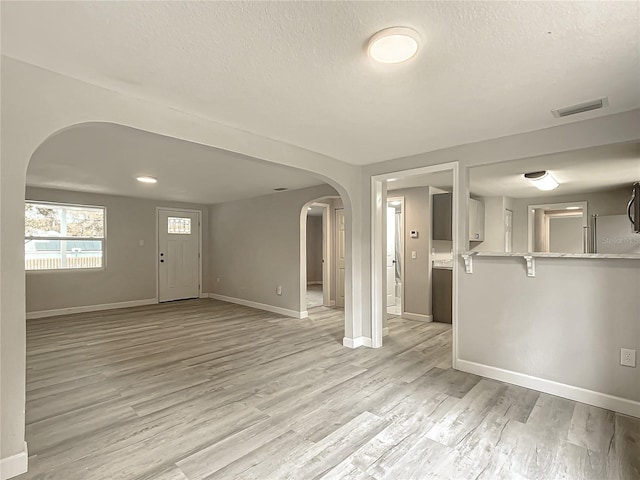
[
  {"x": 178, "y": 255},
  {"x": 391, "y": 256},
  {"x": 340, "y": 256},
  {"x": 508, "y": 231}
]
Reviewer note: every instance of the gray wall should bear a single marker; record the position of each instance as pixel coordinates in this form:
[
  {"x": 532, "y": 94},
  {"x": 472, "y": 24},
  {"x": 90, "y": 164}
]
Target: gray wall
[
  {"x": 417, "y": 216},
  {"x": 314, "y": 249},
  {"x": 612, "y": 202},
  {"x": 255, "y": 246},
  {"x": 567, "y": 324},
  {"x": 130, "y": 270},
  {"x": 565, "y": 234}
]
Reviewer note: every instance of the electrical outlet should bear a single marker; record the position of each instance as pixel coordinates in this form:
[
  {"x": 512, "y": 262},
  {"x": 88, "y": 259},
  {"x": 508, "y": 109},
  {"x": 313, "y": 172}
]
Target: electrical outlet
[
  {"x": 627, "y": 357},
  {"x": 279, "y": 290}
]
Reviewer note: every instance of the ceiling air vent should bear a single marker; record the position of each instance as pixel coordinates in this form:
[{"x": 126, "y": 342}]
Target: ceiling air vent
[{"x": 581, "y": 107}]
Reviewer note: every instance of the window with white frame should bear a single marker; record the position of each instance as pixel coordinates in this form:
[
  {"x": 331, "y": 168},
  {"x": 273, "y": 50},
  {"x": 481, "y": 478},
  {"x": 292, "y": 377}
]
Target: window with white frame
[{"x": 61, "y": 236}]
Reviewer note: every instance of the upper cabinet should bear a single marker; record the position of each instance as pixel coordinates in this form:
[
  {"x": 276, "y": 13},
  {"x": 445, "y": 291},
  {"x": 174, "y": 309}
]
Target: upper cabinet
[
  {"x": 441, "y": 216},
  {"x": 476, "y": 220}
]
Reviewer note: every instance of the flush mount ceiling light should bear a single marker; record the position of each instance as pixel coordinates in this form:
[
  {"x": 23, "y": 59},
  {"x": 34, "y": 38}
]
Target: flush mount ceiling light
[
  {"x": 574, "y": 208},
  {"x": 542, "y": 180},
  {"x": 393, "y": 45},
  {"x": 146, "y": 179}
]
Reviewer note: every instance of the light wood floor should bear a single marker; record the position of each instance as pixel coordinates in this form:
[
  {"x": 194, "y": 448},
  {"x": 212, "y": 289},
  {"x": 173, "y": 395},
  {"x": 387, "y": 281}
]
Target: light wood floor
[{"x": 208, "y": 390}]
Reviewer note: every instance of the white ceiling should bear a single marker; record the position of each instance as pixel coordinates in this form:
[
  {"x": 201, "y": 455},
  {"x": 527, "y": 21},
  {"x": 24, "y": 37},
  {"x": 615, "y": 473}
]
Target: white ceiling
[
  {"x": 577, "y": 171},
  {"x": 297, "y": 72},
  {"x": 107, "y": 158}
]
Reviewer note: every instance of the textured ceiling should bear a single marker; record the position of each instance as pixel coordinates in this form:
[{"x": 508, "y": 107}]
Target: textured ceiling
[
  {"x": 297, "y": 72},
  {"x": 107, "y": 158}
]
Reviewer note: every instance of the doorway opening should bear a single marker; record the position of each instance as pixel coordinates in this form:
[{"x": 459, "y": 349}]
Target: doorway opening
[
  {"x": 395, "y": 255},
  {"x": 321, "y": 284},
  {"x": 430, "y": 226}
]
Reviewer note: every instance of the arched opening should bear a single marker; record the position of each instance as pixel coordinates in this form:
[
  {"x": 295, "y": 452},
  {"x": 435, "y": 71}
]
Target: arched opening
[
  {"x": 204, "y": 176},
  {"x": 322, "y": 247}
]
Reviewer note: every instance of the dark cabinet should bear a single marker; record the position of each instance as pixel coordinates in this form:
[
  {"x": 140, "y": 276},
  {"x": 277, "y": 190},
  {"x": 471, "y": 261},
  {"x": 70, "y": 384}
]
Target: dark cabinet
[
  {"x": 441, "y": 216},
  {"x": 441, "y": 281}
]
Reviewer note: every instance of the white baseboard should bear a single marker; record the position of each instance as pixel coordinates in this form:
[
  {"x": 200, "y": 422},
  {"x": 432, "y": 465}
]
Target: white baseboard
[
  {"x": 260, "y": 306},
  {"x": 304, "y": 314},
  {"x": 204, "y": 295},
  {"x": 90, "y": 308},
  {"x": 357, "y": 342},
  {"x": 597, "y": 399},
  {"x": 332, "y": 303},
  {"x": 417, "y": 316},
  {"x": 14, "y": 465},
  {"x": 315, "y": 282}
]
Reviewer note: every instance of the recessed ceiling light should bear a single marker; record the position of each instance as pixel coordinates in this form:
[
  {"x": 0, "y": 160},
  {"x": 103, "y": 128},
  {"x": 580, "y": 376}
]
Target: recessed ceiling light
[
  {"x": 281, "y": 189},
  {"x": 393, "y": 45},
  {"x": 573, "y": 208},
  {"x": 146, "y": 179},
  {"x": 542, "y": 180}
]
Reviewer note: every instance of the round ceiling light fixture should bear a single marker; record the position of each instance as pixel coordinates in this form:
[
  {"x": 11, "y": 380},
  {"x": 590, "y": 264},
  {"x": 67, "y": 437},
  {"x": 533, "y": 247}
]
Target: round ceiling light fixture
[
  {"x": 146, "y": 179},
  {"x": 393, "y": 45}
]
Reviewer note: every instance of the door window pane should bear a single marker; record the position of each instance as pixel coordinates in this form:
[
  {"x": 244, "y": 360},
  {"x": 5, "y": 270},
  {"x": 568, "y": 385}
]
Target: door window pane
[{"x": 179, "y": 225}]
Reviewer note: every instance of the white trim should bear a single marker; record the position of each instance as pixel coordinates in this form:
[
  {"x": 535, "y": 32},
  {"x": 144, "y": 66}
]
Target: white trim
[
  {"x": 90, "y": 308},
  {"x": 578, "y": 394},
  {"x": 356, "y": 342},
  {"x": 417, "y": 316},
  {"x": 385, "y": 331},
  {"x": 15, "y": 464},
  {"x": 315, "y": 282},
  {"x": 260, "y": 306},
  {"x": 304, "y": 314},
  {"x": 200, "y": 253},
  {"x": 332, "y": 303}
]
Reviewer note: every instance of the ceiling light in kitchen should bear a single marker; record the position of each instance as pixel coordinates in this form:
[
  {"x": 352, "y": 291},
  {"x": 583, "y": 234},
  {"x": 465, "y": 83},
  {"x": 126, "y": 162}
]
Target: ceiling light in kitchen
[{"x": 542, "y": 180}]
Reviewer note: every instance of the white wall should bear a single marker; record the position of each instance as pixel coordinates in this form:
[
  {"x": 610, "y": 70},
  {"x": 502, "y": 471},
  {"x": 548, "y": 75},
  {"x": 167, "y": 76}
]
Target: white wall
[
  {"x": 130, "y": 269},
  {"x": 255, "y": 246}
]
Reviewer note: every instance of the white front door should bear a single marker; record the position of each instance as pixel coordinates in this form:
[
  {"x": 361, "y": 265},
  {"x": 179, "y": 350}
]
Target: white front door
[
  {"x": 391, "y": 256},
  {"x": 178, "y": 255},
  {"x": 340, "y": 257}
]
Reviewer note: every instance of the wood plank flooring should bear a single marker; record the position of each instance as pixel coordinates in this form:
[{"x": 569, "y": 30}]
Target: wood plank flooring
[{"x": 204, "y": 389}]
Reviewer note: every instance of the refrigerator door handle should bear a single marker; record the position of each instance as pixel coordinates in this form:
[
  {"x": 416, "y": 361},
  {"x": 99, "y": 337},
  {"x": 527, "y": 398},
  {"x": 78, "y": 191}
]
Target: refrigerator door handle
[{"x": 630, "y": 206}]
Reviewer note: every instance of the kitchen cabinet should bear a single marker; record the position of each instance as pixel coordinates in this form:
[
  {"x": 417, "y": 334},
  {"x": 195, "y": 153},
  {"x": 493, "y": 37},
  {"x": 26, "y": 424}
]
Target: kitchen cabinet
[
  {"x": 476, "y": 220},
  {"x": 441, "y": 216},
  {"x": 441, "y": 282}
]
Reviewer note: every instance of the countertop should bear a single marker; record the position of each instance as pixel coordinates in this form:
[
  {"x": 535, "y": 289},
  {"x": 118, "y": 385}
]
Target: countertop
[{"x": 446, "y": 264}]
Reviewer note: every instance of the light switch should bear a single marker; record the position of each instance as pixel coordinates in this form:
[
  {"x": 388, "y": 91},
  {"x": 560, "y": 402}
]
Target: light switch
[{"x": 414, "y": 254}]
